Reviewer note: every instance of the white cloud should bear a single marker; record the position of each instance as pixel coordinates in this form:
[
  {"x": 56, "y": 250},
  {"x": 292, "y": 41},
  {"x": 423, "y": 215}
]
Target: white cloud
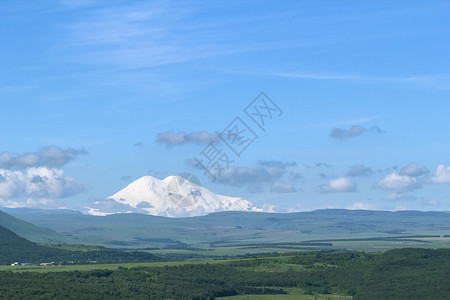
[
  {"x": 442, "y": 175},
  {"x": 399, "y": 197},
  {"x": 56, "y": 157},
  {"x": 354, "y": 131},
  {"x": 281, "y": 187},
  {"x": 359, "y": 171},
  {"x": 97, "y": 212},
  {"x": 51, "y": 156},
  {"x": 400, "y": 207},
  {"x": 16, "y": 204},
  {"x": 397, "y": 182},
  {"x": 362, "y": 205},
  {"x": 8, "y": 160},
  {"x": 48, "y": 203},
  {"x": 338, "y": 185},
  {"x": 171, "y": 138},
  {"x": 431, "y": 202},
  {"x": 39, "y": 182},
  {"x": 296, "y": 208},
  {"x": 269, "y": 208},
  {"x": 413, "y": 169},
  {"x": 104, "y": 207},
  {"x": 267, "y": 174},
  {"x": 239, "y": 176}
]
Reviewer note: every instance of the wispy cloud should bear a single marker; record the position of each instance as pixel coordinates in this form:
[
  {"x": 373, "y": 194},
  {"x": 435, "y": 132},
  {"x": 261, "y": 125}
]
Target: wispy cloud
[
  {"x": 439, "y": 81},
  {"x": 431, "y": 202},
  {"x": 397, "y": 196},
  {"x": 149, "y": 34},
  {"x": 317, "y": 76}
]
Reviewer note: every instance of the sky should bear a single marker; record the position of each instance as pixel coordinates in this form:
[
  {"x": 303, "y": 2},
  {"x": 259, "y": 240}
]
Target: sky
[{"x": 303, "y": 104}]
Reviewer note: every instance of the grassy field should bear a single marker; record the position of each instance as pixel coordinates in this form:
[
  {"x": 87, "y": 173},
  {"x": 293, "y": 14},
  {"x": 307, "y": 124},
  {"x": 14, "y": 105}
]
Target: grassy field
[
  {"x": 272, "y": 265},
  {"x": 89, "y": 267},
  {"x": 372, "y": 244}
]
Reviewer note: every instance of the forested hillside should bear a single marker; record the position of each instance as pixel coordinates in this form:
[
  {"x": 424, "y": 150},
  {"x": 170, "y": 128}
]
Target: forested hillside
[
  {"x": 396, "y": 274},
  {"x": 14, "y": 248}
]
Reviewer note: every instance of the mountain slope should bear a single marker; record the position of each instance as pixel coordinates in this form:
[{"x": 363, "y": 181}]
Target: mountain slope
[
  {"x": 9, "y": 238},
  {"x": 30, "y": 231},
  {"x": 15, "y": 248},
  {"x": 174, "y": 196}
]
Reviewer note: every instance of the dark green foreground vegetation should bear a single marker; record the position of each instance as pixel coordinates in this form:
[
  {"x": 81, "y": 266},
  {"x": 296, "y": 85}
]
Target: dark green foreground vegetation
[{"x": 395, "y": 274}]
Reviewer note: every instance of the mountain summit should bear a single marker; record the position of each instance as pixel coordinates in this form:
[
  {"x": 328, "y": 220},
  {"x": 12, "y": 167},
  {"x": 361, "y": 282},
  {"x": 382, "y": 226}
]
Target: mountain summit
[{"x": 174, "y": 196}]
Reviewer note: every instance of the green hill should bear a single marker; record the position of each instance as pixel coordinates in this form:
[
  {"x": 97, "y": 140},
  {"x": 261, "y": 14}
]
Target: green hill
[
  {"x": 9, "y": 239},
  {"x": 14, "y": 248},
  {"x": 31, "y": 232}
]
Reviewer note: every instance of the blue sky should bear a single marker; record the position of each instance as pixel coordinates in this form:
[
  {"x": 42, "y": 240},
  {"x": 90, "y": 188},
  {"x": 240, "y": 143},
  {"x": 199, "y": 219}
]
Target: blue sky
[{"x": 96, "y": 94}]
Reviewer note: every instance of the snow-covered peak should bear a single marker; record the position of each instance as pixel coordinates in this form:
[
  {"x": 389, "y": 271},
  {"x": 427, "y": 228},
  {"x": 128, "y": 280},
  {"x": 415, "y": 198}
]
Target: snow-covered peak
[{"x": 174, "y": 196}]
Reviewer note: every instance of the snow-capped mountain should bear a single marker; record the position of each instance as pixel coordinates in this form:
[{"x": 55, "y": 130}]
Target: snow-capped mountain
[{"x": 173, "y": 196}]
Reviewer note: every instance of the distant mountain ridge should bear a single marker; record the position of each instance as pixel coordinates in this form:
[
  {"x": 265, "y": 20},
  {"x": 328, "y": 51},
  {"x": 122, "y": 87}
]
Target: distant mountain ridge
[
  {"x": 37, "y": 211},
  {"x": 240, "y": 228},
  {"x": 174, "y": 196}
]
